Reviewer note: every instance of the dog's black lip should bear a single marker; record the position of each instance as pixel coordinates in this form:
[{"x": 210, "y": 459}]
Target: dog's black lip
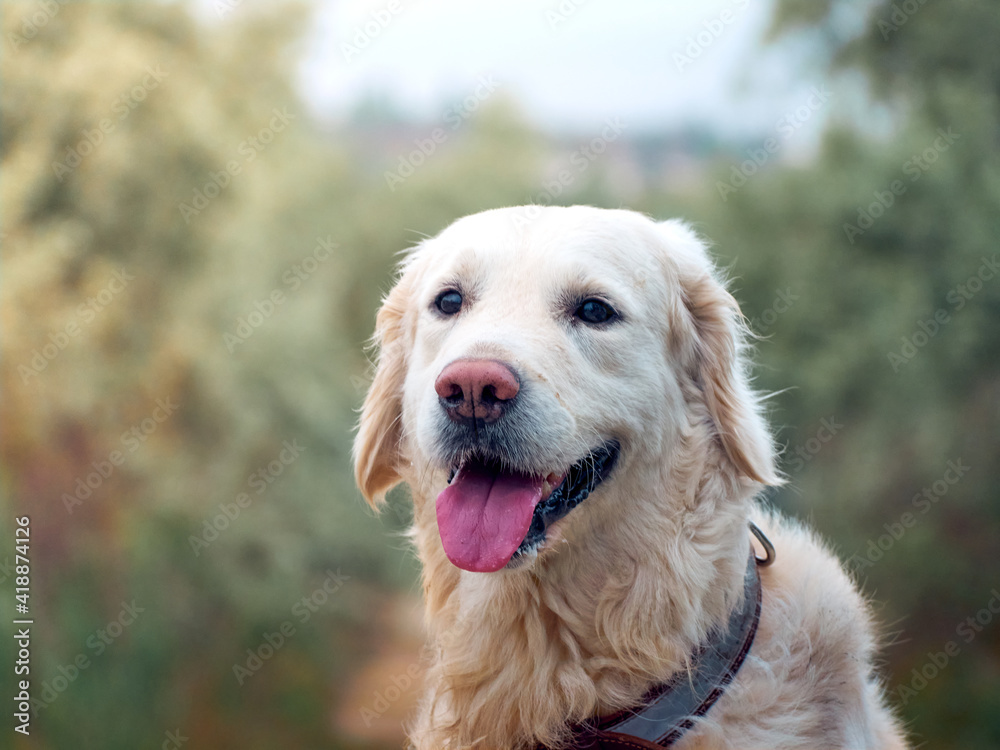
[{"x": 581, "y": 479}]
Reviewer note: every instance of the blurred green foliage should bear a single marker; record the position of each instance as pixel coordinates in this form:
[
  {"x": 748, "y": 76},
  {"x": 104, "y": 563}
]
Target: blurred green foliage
[{"x": 211, "y": 246}]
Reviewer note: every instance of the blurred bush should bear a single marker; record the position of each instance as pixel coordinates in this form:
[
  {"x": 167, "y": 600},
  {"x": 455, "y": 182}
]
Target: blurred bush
[{"x": 191, "y": 267}]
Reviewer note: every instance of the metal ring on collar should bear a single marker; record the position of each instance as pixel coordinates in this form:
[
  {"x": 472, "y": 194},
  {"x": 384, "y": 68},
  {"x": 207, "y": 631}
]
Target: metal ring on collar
[{"x": 766, "y": 543}]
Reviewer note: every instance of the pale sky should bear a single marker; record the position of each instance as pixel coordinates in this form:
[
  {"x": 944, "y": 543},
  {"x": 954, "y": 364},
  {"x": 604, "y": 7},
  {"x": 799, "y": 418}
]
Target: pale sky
[
  {"x": 571, "y": 63},
  {"x": 657, "y": 65}
]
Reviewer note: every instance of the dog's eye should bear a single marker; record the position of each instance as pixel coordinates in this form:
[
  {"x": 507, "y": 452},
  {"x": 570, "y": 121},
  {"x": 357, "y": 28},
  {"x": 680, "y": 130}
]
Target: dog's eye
[
  {"x": 448, "y": 302},
  {"x": 594, "y": 311}
]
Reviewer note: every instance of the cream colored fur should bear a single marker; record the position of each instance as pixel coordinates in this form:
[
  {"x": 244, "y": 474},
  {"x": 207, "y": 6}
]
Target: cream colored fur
[{"x": 631, "y": 580}]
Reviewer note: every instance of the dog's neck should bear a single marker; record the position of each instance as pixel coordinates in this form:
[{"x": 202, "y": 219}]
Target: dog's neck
[{"x": 586, "y": 629}]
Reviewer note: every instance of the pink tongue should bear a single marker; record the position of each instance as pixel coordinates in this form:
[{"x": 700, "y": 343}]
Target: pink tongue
[{"x": 484, "y": 515}]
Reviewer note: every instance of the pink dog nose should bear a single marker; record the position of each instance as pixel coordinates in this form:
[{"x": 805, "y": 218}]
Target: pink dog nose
[{"x": 471, "y": 390}]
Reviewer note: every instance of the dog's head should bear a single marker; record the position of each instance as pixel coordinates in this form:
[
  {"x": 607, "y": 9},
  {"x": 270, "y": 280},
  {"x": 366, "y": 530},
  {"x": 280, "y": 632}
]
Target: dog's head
[{"x": 533, "y": 358}]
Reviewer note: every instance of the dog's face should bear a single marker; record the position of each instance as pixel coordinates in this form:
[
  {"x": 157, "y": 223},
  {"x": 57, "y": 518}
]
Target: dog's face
[{"x": 531, "y": 358}]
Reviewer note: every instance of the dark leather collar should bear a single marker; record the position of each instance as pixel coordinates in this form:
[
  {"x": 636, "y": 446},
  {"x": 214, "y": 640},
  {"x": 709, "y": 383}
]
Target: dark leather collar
[{"x": 668, "y": 710}]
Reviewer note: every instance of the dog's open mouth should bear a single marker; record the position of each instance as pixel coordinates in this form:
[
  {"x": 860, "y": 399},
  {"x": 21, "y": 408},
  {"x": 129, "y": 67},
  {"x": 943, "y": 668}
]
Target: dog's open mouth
[{"x": 490, "y": 514}]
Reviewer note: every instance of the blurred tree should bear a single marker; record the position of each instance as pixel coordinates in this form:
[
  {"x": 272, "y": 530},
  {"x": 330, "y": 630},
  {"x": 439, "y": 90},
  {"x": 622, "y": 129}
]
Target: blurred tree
[
  {"x": 191, "y": 269},
  {"x": 177, "y": 388},
  {"x": 873, "y": 276}
]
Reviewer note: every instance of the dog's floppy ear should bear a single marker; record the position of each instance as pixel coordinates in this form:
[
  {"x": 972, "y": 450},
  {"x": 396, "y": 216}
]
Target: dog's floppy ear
[
  {"x": 377, "y": 444},
  {"x": 718, "y": 363}
]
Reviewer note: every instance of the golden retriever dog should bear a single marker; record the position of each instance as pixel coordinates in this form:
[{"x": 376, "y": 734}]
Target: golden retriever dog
[{"x": 565, "y": 392}]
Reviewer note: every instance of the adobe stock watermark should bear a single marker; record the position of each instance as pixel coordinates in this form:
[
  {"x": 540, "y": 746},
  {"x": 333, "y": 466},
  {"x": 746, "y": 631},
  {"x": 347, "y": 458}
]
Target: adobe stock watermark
[
  {"x": 97, "y": 643},
  {"x": 292, "y": 279},
  {"x": 783, "y": 301},
  {"x": 258, "y": 481},
  {"x": 785, "y": 127},
  {"x": 365, "y": 33},
  {"x": 382, "y": 699},
  {"x": 86, "y": 313},
  {"x": 936, "y": 661},
  {"x": 407, "y": 164},
  {"x": 224, "y": 7},
  {"x": 131, "y": 440},
  {"x": 173, "y": 740},
  {"x": 359, "y": 384},
  {"x": 806, "y": 452},
  {"x": 915, "y": 167},
  {"x": 711, "y": 31},
  {"x": 901, "y": 13},
  {"x": 34, "y": 21},
  {"x": 957, "y": 298},
  {"x": 249, "y": 149},
  {"x": 6, "y": 569},
  {"x": 302, "y": 611},
  {"x": 579, "y": 162},
  {"x": 922, "y": 503},
  {"x": 92, "y": 138},
  {"x": 559, "y": 14}
]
